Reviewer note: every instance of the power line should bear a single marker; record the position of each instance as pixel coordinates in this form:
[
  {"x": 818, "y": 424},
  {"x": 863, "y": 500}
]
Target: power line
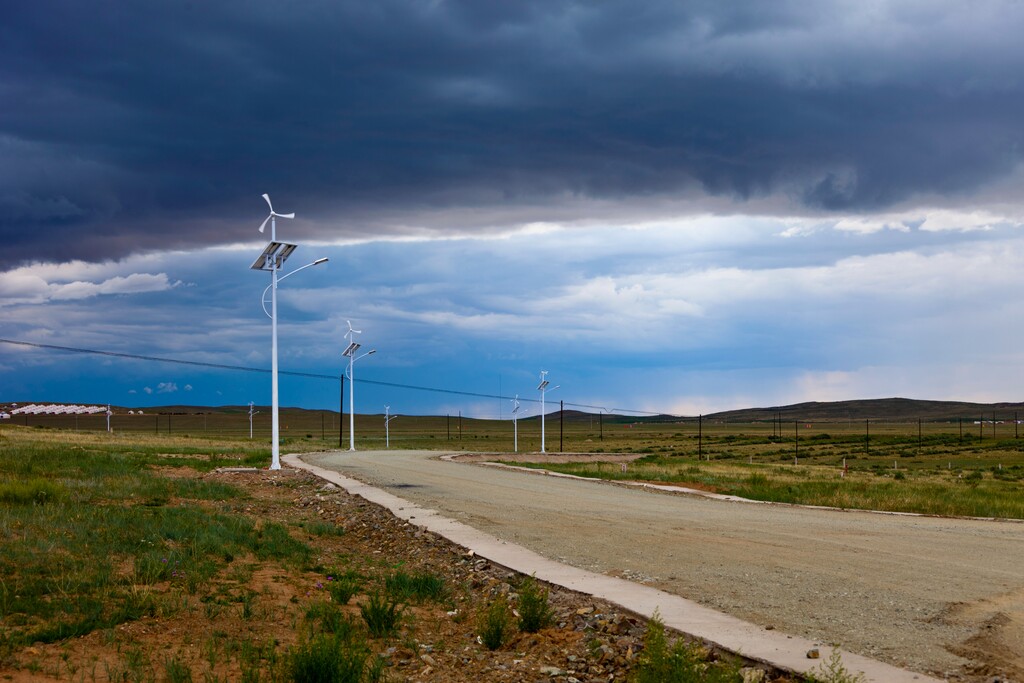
[{"x": 311, "y": 375}]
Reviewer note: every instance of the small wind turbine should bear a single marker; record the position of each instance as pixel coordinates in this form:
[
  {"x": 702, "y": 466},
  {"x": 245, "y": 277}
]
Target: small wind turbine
[{"x": 273, "y": 215}]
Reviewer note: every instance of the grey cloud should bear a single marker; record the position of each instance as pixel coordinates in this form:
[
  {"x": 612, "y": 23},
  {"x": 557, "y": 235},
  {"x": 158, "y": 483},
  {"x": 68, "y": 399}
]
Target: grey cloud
[{"x": 149, "y": 125}]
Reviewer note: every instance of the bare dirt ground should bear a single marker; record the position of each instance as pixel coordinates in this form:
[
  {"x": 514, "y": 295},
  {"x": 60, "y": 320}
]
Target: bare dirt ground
[
  {"x": 209, "y": 632},
  {"x": 941, "y": 596}
]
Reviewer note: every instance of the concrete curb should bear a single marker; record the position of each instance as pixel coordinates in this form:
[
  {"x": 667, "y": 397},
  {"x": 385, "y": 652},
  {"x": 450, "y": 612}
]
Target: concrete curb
[{"x": 788, "y": 653}]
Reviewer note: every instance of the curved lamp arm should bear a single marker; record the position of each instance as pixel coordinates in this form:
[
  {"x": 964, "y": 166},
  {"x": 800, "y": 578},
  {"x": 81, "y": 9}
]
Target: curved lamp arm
[{"x": 263, "y": 298}]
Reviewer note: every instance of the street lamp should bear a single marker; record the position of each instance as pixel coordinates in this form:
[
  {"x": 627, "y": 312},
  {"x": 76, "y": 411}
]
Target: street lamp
[
  {"x": 272, "y": 258},
  {"x": 350, "y": 353},
  {"x": 543, "y": 388},
  {"x": 515, "y": 424},
  {"x": 252, "y": 412},
  {"x": 387, "y": 430}
]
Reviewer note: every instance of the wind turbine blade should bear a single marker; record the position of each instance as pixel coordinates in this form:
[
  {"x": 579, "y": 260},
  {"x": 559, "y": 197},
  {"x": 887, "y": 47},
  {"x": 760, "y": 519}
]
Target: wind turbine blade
[
  {"x": 285, "y": 215},
  {"x": 267, "y": 198},
  {"x": 264, "y": 223}
]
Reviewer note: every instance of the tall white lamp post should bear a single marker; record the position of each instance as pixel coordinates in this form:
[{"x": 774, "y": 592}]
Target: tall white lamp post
[
  {"x": 350, "y": 353},
  {"x": 272, "y": 258},
  {"x": 543, "y": 388},
  {"x": 388, "y": 417}
]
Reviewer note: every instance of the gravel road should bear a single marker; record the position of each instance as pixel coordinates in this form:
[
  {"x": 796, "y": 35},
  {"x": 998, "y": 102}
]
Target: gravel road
[{"x": 942, "y": 596}]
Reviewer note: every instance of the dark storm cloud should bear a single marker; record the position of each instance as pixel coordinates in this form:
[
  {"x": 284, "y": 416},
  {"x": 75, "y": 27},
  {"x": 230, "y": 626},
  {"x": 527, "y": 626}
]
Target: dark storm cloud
[{"x": 135, "y": 126}]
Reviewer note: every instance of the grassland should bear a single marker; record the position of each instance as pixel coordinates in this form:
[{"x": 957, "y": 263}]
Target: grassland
[
  {"x": 895, "y": 468},
  {"x": 127, "y": 558}
]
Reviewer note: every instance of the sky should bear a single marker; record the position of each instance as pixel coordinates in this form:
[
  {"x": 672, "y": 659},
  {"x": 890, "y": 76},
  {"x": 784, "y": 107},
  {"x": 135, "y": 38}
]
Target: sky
[{"x": 670, "y": 207}]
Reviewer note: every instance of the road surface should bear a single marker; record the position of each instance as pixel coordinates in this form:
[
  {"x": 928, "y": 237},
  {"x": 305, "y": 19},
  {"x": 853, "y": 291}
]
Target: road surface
[{"x": 943, "y": 596}]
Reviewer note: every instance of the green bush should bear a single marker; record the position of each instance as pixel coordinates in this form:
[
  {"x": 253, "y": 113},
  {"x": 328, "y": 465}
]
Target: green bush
[
  {"x": 494, "y": 624},
  {"x": 328, "y": 659},
  {"x": 418, "y": 587},
  {"x": 833, "y": 671},
  {"x": 534, "y": 611},
  {"x": 35, "y": 491},
  {"x": 381, "y": 615},
  {"x": 681, "y": 662},
  {"x": 342, "y": 586}
]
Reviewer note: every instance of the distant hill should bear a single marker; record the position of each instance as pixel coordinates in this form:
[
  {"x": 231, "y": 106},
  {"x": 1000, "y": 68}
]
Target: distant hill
[
  {"x": 899, "y": 409},
  {"x": 877, "y": 409}
]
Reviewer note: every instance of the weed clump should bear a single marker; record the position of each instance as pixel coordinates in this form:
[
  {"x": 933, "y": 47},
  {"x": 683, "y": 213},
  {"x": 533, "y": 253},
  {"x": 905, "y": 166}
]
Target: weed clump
[
  {"x": 494, "y": 624},
  {"x": 380, "y": 614},
  {"x": 534, "y": 611},
  {"x": 329, "y": 658},
  {"x": 833, "y": 671},
  {"x": 681, "y": 662},
  {"x": 419, "y": 587}
]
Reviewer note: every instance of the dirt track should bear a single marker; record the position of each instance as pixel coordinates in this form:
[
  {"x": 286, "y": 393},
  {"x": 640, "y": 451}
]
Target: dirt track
[{"x": 937, "y": 595}]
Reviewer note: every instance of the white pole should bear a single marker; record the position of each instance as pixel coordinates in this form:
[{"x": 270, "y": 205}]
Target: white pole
[
  {"x": 542, "y": 391},
  {"x": 351, "y": 403},
  {"x": 515, "y": 424},
  {"x": 387, "y": 428},
  {"x": 275, "y": 460}
]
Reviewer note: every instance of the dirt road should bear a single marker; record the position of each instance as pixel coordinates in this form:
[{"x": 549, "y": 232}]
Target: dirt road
[{"x": 942, "y": 596}]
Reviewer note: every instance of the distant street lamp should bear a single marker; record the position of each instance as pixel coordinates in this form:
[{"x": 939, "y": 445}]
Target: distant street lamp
[
  {"x": 515, "y": 424},
  {"x": 543, "y": 388},
  {"x": 387, "y": 430},
  {"x": 252, "y": 411},
  {"x": 350, "y": 353},
  {"x": 272, "y": 258}
]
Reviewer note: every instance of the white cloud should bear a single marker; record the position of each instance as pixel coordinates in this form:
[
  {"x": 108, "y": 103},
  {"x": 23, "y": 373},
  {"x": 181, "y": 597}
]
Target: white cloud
[
  {"x": 166, "y": 388},
  {"x": 962, "y": 221},
  {"x": 188, "y": 387},
  {"x": 148, "y": 390},
  {"x": 39, "y": 283}
]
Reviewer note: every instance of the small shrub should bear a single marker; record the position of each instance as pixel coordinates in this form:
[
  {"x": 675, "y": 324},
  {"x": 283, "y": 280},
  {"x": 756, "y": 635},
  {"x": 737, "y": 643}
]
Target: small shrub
[
  {"x": 176, "y": 671},
  {"x": 328, "y": 659},
  {"x": 833, "y": 671},
  {"x": 415, "y": 587},
  {"x": 329, "y": 618},
  {"x": 495, "y": 624},
  {"x": 381, "y": 615},
  {"x": 35, "y": 491},
  {"x": 342, "y": 588},
  {"x": 680, "y": 662},
  {"x": 534, "y": 611}
]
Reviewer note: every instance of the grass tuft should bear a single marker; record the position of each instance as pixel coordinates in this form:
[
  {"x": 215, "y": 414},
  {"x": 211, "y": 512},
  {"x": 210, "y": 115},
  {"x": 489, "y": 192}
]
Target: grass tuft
[{"x": 494, "y": 624}]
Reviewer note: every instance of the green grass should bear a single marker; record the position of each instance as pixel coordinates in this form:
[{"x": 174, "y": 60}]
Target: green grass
[
  {"x": 495, "y": 623},
  {"x": 534, "y": 611},
  {"x": 680, "y": 662},
  {"x": 418, "y": 587},
  {"x": 921, "y": 485},
  {"x": 329, "y": 658},
  {"x": 381, "y": 615},
  {"x": 86, "y": 527}
]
